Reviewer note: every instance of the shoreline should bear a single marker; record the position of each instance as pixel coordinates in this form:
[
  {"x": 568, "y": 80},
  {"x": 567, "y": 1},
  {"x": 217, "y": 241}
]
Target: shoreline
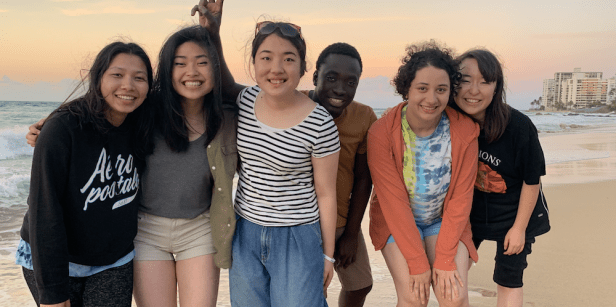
[{"x": 569, "y": 266}]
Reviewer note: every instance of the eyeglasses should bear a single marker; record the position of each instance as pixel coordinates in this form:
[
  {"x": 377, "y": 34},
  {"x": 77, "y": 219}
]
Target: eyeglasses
[{"x": 287, "y": 29}]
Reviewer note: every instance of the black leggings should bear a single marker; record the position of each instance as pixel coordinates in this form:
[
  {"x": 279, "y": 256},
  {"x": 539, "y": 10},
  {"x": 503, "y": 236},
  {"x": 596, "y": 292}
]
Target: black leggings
[{"x": 109, "y": 288}]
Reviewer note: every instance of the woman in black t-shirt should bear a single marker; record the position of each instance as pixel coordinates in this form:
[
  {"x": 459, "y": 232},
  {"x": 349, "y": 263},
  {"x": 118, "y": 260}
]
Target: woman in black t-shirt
[{"x": 508, "y": 204}]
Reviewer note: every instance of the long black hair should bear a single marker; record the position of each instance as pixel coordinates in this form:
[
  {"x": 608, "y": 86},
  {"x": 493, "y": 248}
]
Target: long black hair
[
  {"x": 497, "y": 113},
  {"x": 91, "y": 108},
  {"x": 172, "y": 121}
]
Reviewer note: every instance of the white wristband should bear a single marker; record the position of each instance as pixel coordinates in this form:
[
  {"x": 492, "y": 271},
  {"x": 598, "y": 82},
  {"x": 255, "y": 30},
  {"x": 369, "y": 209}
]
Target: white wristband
[{"x": 328, "y": 258}]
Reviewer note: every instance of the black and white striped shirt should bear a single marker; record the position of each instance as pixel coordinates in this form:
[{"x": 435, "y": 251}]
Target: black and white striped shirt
[{"x": 276, "y": 183}]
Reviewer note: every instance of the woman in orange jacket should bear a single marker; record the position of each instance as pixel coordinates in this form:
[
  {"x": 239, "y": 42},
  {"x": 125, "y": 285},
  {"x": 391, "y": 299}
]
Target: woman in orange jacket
[{"x": 423, "y": 160}]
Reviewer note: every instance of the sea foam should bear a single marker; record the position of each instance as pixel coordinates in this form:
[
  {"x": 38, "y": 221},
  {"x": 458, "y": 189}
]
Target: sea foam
[{"x": 13, "y": 143}]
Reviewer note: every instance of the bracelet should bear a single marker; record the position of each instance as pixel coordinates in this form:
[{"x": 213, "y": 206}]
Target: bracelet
[{"x": 328, "y": 258}]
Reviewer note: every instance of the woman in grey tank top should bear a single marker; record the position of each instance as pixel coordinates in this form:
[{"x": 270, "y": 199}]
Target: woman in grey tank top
[{"x": 188, "y": 179}]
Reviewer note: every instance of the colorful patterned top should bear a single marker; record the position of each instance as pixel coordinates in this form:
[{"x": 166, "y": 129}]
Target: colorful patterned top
[{"x": 427, "y": 169}]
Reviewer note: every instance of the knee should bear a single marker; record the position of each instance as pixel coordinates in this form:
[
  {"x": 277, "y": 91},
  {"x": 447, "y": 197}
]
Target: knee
[
  {"x": 407, "y": 299},
  {"x": 460, "y": 301},
  {"x": 361, "y": 292},
  {"x": 502, "y": 290}
]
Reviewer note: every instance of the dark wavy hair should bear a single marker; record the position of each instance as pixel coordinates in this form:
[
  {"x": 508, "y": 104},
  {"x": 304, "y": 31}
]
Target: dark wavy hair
[
  {"x": 172, "y": 121},
  {"x": 297, "y": 41},
  {"x": 91, "y": 108},
  {"x": 422, "y": 55},
  {"x": 339, "y": 48},
  {"x": 497, "y": 113}
]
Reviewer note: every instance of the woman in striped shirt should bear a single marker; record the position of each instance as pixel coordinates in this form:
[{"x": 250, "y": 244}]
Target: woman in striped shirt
[{"x": 286, "y": 195}]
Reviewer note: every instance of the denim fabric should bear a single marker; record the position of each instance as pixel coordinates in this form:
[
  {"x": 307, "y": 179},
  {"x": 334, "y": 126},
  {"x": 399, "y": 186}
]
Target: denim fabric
[
  {"x": 23, "y": 257},
  {"x": 424, "y": 230},
  {"x": 276, "y": 266}
]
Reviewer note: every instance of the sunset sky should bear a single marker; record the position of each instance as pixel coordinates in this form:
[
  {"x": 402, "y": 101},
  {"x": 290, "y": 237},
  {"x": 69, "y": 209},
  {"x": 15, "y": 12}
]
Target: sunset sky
[{"x": 45, "y": 42}]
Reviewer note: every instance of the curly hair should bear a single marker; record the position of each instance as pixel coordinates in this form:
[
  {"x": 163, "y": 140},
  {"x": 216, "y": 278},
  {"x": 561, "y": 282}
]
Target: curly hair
[
  {"x": 339, "y": 48},
  {"x": 422, "y": 55}
]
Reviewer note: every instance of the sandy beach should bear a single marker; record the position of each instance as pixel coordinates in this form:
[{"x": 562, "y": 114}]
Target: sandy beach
[{"x": 569, "y": 266}]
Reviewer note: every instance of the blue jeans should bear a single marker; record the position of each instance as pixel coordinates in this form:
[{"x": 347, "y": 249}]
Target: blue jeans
[{"x": 276, "y": 266}]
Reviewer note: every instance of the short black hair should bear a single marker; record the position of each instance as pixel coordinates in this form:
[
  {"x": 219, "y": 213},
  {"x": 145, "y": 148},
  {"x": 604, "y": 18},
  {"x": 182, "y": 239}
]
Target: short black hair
[{"x": 339, "y": 48}]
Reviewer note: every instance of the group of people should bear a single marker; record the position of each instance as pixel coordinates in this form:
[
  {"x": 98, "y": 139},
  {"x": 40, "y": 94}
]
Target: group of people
[{"x": 131, "y": 187}]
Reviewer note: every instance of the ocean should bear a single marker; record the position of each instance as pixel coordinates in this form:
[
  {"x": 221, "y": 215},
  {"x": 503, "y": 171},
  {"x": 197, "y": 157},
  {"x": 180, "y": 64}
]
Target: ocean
[{"x": 16, "y": 156}]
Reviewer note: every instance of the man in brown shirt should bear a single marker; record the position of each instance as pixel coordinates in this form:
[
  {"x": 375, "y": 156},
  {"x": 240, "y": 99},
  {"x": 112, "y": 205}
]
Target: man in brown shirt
[{"x": 338, "y": 69}]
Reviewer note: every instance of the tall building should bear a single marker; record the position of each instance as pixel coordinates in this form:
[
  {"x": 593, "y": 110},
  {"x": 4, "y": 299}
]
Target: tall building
[
  {"x": 549, "y": 91},
  {"x": 577, "y": 89}
]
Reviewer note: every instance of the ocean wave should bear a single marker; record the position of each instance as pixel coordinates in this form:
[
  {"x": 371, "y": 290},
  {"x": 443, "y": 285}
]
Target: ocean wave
[
  {"x": 14, "y": 182},
  {"x": 13, "y": 143}
]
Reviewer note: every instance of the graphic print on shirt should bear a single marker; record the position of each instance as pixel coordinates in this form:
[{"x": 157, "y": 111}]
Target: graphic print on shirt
[
  {"x": 127, "y": 180},
  {"x": 489, "y": 180}
]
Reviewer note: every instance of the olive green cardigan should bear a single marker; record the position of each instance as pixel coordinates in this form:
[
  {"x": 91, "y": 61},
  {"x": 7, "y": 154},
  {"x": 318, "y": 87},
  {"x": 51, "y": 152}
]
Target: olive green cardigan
[{"x": 223, "y": 159}]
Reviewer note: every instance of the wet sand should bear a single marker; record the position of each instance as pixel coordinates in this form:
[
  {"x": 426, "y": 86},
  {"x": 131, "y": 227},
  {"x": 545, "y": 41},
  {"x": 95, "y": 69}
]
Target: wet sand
[{"x": 569, "y": 266}]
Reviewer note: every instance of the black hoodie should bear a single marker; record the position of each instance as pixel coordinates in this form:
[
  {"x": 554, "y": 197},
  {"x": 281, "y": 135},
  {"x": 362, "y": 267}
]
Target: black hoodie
[{"x": 82, "y": 206}]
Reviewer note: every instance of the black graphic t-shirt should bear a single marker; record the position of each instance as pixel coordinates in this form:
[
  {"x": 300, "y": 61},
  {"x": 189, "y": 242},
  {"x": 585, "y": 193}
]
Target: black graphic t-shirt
[
  {"x": 82, "y": 206},
  {"x": 504, "y": 165}
]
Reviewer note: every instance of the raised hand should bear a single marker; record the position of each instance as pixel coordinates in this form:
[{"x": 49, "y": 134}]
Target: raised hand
[{"x": 210, "y": 14}]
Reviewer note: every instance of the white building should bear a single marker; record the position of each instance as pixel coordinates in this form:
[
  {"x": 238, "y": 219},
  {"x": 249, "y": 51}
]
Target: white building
[
  {"x": 577, "y": 89},
  {"x": 548, "y": 92},
  {"x": 611, "y": 89}
]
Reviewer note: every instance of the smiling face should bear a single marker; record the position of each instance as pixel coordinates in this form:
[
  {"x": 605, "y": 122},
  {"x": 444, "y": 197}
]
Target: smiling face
[
  {"x": 124, "y": 86},
  {"x": 192, "y": 74},
  {"x": 277, "y": 66},
  {"x": 475, "y": 94},
  {"x": 336, "y": 82},
  {"x": 427, "y": 97}
]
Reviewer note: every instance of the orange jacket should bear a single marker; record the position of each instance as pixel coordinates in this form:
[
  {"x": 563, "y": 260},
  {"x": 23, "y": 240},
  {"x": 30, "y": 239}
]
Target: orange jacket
[{"x": 390, "y": 210}]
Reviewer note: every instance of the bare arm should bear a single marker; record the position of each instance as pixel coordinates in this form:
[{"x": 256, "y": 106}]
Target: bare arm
[
  {"x": 346, "y": 246},
  {"x": 325, "y": 172},
  {"x": 516, "y": 236},
  {"x": 210, "y": 17}
]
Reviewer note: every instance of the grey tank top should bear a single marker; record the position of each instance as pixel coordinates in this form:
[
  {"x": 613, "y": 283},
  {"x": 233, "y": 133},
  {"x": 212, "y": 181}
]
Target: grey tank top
[{"x": 177, "y": 185}]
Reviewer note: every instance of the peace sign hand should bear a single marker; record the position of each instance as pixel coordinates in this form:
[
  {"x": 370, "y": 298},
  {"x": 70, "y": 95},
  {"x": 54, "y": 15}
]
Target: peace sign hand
[{"x": 210, "y": 14}]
